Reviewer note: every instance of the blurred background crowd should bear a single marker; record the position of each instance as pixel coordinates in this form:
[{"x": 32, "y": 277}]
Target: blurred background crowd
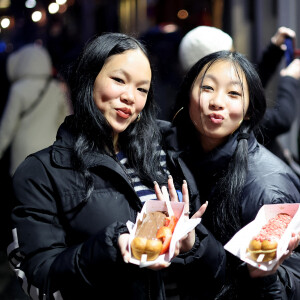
[{"x": 57, "y": 30}]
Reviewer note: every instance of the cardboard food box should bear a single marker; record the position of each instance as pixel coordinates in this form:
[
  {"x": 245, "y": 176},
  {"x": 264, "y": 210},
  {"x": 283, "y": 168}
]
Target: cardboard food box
[
  {"x": 239, "y": 243},
  {"x": 183, "y": 226}
]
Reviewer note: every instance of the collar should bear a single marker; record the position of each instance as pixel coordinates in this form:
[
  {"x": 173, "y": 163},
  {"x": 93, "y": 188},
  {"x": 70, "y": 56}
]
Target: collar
[{"x": 62, "y": 149}]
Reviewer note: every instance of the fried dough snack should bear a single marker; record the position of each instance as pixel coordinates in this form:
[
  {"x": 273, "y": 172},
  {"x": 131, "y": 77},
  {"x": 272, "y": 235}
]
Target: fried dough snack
[
  {"x": 264, "y": 245},
  {"x": 145, "y": 241}
]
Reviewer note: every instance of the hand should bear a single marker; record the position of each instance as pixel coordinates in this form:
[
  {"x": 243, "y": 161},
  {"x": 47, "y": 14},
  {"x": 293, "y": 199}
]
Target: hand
[
  {"x": 279, "y": 37},
  {"x": 293, "y": 69},
  {"x": 187, "y": 242},
  {"x": 293, "y": 244},
  {"x": 123, "y": 245}
]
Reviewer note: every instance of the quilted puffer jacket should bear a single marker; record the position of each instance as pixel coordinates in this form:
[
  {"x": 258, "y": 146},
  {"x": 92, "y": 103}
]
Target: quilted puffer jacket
[
  {"x": 269, "y": 180},
  {"x": 65, "y": 249}
]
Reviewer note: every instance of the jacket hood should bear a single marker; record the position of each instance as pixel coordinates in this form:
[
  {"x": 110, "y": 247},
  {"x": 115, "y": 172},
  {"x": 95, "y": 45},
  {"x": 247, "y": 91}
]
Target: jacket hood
[{"x": 29, "y": 61}]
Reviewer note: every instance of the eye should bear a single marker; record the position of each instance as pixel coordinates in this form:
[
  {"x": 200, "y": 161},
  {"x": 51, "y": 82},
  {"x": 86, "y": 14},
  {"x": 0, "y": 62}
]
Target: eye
[
  {"x": 145, "y": 91},
  {"x": 206, "y": 88},
  {"x": 118, "y": 79},
  {"x": 235, "y": 93}
]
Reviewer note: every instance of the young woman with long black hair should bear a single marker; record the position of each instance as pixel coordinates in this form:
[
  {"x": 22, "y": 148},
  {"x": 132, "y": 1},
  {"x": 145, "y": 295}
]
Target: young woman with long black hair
[
  {"x": 219, "y": 107},
  {"x": 73, "y": 199}
]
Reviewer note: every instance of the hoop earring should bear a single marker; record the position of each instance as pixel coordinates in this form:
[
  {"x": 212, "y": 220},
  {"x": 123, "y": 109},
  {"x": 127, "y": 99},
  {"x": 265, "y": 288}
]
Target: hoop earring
[
  {"x": 138, "y": 117},
  {"x": 177, "y": 113}
]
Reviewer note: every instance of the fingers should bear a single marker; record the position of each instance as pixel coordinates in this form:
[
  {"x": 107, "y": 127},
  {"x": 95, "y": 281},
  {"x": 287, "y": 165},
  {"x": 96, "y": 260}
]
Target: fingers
[
  {"x": 158, "y": 192},
  {"x": 172, "y": 190},
  {"x": 159, "y": 266},
  {"x": 293, "y": 69},
  {"x": 200, "y": 211},
  {"x": 294, "y": 242},
  {"x": 280, "y": 36},
  {"x": 123, "y": 244},
  {"x": 285, "y": 31},
  {"x": 185, "y": 197}
]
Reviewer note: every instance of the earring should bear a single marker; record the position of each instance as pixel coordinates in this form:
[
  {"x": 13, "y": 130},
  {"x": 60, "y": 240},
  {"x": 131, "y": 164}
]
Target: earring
[
  {"x": 177, "y": 113},
  {"x": 138, "y": 117}
]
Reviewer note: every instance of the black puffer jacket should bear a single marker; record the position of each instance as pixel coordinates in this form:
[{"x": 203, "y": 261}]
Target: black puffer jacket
[
  {"x": 269, "y": 181},
  {"x": 63, "y": 248}
]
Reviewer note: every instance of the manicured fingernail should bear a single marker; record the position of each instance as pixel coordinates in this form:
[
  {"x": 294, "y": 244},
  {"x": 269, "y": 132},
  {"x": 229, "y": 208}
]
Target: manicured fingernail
[
  {"x": 184, "y": 181},
  {"x": 170, "y": 177},
  {"x": 155, "y": 182}
]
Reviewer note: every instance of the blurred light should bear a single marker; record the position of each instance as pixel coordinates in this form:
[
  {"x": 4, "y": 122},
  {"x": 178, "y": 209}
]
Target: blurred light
[
  {"x": 30, "y": 3},
  {"x": 62, "y": 8},
  {"x": 5, "y": 22},
  {"x": 2, "y": 46},
  {"x": 4, "y": 3},
  {"x": 61, "y": 2},
  {"x": 53, "y": 8},
  {"x": 168, "y": 28},
  {"x": 36, "y": 16},
  {"x": 182, "y": 14}
]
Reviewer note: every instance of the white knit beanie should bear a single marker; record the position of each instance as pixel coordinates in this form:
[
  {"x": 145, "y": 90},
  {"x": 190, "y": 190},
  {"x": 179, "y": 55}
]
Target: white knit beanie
[{"x": 200, "y": 42}]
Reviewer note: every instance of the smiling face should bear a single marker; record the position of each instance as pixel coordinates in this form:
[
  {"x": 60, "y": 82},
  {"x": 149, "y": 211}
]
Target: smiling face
[
  {"x": 219, "y": 100},
  {"x": 121, "y": 88}
]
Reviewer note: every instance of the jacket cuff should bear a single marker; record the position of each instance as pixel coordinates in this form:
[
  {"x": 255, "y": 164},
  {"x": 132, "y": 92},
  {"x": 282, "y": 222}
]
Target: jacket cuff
[
  {"x": 120, "y": 229},
  {"x": 260, "y": 282}
]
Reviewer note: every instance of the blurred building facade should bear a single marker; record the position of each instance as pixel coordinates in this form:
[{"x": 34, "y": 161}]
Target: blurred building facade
[{"x": 251, "y": 23}]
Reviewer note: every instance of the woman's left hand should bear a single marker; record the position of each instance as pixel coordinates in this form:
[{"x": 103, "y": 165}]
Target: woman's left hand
[
  {"x": 293, "y": 244},
  {"x": 187, "y": 242}
]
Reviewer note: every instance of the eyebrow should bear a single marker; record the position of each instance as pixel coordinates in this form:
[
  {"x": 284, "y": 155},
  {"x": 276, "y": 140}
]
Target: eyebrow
[{"x": 233, "y": 82}]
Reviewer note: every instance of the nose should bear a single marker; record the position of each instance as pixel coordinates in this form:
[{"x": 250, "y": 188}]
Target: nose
[
  {"x": 217, "y": 102},
  {"x": 128, "y": 95}
]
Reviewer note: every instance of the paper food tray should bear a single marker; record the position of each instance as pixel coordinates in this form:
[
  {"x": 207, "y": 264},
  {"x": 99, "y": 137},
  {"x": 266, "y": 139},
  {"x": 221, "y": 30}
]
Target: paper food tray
[
  {"x": 183, "y": 226},
  {"x": 240, "y": 241}
]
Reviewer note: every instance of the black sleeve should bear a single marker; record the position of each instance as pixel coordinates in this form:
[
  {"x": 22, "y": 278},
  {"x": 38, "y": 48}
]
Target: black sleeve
[
  {"x": 269, "y": 62},
  {"x": 279, "y": 118},
  {"x": 283, "y": 285},
  {"x": 40, "y": 253},
  {"x": 205, "y": 263}
]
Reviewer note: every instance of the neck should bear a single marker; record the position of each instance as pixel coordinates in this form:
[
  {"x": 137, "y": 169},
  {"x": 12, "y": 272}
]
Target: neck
[{"x": 115, "y": 142}]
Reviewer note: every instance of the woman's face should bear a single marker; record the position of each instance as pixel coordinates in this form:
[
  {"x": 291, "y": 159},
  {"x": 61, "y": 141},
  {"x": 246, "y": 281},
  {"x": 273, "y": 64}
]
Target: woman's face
[
  {"x": 121, "y": 88},
  {"x": 219, "y": 100}
]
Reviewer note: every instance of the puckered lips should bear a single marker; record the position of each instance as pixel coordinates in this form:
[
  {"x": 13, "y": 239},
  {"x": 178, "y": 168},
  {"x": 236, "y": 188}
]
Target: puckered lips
[
  {"x": 216, "y": 118},
  {"x": 124, "y": 112}
]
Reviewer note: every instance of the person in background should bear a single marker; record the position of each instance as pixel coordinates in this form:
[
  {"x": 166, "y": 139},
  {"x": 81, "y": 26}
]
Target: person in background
[
  {"x": 73, "y": 199},
  {"x": 280, "y": 116},
  {"x": 35, "y": 107},
  {"x": 219, "y": 107}
]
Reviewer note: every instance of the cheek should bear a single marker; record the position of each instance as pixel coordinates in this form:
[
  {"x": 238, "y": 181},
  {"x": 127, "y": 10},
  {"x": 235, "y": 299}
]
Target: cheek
[
  {"x": 140, "y": 103},
  {"x": 236, "y": 111},
  {"x": 195, "y": 110}
]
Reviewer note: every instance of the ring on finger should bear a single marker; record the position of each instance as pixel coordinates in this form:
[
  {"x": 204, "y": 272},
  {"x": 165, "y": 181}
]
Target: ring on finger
[{"x": 187, "y": 213}]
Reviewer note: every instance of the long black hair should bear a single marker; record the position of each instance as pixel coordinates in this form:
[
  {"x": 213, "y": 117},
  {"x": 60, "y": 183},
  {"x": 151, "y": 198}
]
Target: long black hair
[
  {"x": 94, "y": 134},
  {"x": 225, "y": 206},
  {"x": 224, "y": 209}
]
